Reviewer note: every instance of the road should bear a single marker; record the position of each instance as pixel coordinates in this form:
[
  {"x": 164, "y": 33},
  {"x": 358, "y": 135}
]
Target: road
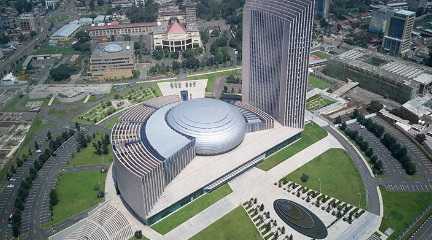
[
  {"x": 373, "y": 202},
  {"x": 67, "y": 9}
]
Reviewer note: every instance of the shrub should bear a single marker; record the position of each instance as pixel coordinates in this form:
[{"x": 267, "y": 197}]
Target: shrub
[{"x": 304, "y": 178}]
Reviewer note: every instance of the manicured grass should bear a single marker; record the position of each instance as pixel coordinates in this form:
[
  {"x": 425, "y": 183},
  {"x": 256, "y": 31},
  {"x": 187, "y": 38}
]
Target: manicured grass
[
  {"x": 337, "y": 174},
  {"x": 318, "y": 83},
  {"x": 317, "y": 102},
  {"x": 76, "y": 193},
  {"x": 212, "y": 78},
  {"x": 321, "y": 54},
  {"x": 236, "y": 225},
  {"x": 88, "y": 156},
  {"x": 182, "y": 215},
  {"x": 402, "y": 208},
  {"x": 312, "y": 133},
  {"x": 16, "y": 104},
  {"x": 112, "y": 121}
]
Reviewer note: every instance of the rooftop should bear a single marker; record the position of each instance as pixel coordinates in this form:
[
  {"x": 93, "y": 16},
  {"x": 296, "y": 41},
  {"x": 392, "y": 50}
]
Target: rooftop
[
  {"x": 157, "y": 132},
  {"x": 111, "y": 48},
  {"x": 68, "y": 29},
  {"x": 387, "y": 66}
]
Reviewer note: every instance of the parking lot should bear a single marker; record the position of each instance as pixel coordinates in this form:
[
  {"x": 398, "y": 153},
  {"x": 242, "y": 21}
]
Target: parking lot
[
  {"x": 424, "y": 165},
  {"x": 392, "y": 168}
]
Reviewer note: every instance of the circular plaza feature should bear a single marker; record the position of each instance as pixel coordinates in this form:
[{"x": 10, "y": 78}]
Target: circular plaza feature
[
  {"x": 300, "y": 219},
  {"x": 216, "y": 126},
  {"x": 113, "y": 48}
]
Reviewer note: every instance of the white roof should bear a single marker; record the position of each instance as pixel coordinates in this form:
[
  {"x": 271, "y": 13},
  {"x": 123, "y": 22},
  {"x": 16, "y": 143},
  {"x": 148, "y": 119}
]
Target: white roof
[
  {"x": 424, "y": 78},
  {"x": 68, "y": 29}
]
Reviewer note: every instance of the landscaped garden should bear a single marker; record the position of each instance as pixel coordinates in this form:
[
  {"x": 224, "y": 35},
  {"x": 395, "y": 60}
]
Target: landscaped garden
[
  {"x": 318, "y": 83},
  {"x": 182, "y": 215},
  {"x": 235, "y": 225},
  {"x": 402, "y": 208},
  {"x": 104, "y": 109},
  {"x": 334, "y": 173},
  {"x": 311, "y": 134},
  {"x": 321, "y": 54},
  {"x": 317, "y": 102},
  {"x": 140, "y": 94},
  {"x": 76, "y": 192},
  {"x": 90, "y": 155},
  {"x": 99, "y": 112}
]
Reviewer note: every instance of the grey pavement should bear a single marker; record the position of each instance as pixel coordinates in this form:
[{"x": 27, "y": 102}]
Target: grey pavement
[{"x": 424, "y": 232}]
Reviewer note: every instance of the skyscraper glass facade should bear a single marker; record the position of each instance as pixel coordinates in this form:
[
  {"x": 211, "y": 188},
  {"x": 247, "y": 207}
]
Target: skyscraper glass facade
[{"x": 276, "y": 45}]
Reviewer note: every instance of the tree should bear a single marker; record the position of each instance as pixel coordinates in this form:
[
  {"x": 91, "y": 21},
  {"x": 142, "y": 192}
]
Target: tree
[
  {"x": 420, "y": 138},
  {"x": 304, "y": 177},
  {"x": 49, "y": 135},
  {"x": 148, "y": 13},
  {"x": 4, "y": 38},
  {"x": 138, "y": 234},
  {"x": 205, "y": 36},
  {"x": 62, "y": 72},
  {"x": 53, "y": 198},
  {"x": 374, "y": 106},
  {"x": 23, "y": 6}
]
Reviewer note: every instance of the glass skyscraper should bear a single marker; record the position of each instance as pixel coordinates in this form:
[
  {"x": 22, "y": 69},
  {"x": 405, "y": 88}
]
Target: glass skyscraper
[{"x": 276, "y": 45}]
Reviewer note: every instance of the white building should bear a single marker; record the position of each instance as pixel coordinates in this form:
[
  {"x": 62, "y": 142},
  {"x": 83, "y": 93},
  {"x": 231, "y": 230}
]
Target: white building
[
  {"x": 176, "y": 37},
  {"x": 51, "y": 4}
]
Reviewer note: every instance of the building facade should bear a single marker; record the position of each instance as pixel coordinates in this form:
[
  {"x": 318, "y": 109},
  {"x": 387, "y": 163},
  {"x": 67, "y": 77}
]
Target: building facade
[
  {"x": 380, "y": 19},
  {"x": 276, "y": 45},
  {"x": 177, "y": 37},
  {"x": 385, "y": 75},
  {"x": 51, "y": 4},
  {"x": 397, "y": 39},
  {"x": 114, "y": 29},
  {"x": 27, "y": 23},
  {"x": 113, "y": 60},
  {"x": 322, "y": 8}
]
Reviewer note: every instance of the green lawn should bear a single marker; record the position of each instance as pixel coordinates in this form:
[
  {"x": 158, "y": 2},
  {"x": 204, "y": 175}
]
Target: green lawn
[
  {"x": 402, "y": 208},
  {"x": 318, "y": 83},
  {"x": 338, "y": 176},
  {"x": 109, "y": 123},
  {"x": 312, "y": 133},
  {"x": 212, "y": 78},
  {"x": 87, "y": 156},
  {"x": 76, "y": 193},
  {"x": 16, "y": 104},
  {"x": 236, "y": 225},
  {"x": 321, "y": 54},
  {"x": 317, "y": 102},
  {"x": 182, "y": 215}
]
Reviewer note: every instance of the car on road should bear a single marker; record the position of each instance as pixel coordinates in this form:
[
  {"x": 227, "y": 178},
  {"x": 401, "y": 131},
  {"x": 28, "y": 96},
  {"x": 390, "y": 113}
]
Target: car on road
[
  {"x": 10, "y": 186},
  {"x": 12, "y": 179}
]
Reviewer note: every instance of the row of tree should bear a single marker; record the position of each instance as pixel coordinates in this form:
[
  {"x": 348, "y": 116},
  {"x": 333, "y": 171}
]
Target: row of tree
[
  {"x": 377, "y": 165},
  {"x": 24, "y": 188},
  {"x": 398, "y": 150}
]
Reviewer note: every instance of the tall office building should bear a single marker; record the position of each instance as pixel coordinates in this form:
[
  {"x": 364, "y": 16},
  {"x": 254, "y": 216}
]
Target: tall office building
[
  {"x": 276, "y": 45},
  {"x": 397, "y": 39},
  {"x": 322, "y": 8}
]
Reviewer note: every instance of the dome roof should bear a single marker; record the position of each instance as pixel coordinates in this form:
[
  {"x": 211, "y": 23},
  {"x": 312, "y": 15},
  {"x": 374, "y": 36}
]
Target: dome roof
[
  {"x": 217, "y": 127},
  {"x": 113, "y": 48}
]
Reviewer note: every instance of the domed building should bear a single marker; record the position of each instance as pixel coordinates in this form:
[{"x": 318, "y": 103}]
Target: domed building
[
  {"x": 168, "y": 152},
  {"x": 112, "y": 60}
]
